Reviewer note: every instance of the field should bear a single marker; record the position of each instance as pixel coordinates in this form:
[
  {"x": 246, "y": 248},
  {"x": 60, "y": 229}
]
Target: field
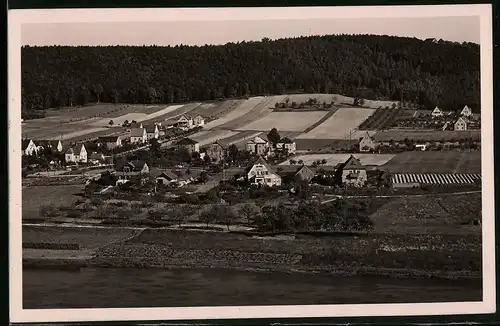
[
  {"x": 214, "y": 110},
  {"x": 240, "y": 137},
  {"x": 259, "y": 110},
  {"x": 440, "y": 178},
  {"x": 334, "y": 159},
  {"x": 381, "y": 119},
  {"x": 435, "y": 162},
  {"x": 35, "y": 197},
  {"x": 340, "y": 124},
  {"x": 429, "y": 215},
  {"x": 401, "y": 135},
  {"x": 206, "y": 138},
  {"x": 285, "y": 121},
  {"x": 242, "y": 109}
]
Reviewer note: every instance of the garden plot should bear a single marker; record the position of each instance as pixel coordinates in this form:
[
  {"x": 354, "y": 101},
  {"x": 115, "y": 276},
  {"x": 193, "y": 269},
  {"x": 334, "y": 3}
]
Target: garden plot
[
  {"x": 435, "y": 162},
  {"x": 213, "y": 136},
  {"x": 242, "y": 109},
  {"x": 334, "y": 159},
  {"x": 286, "y": 121},
  {"x": 340, "y": 124}
]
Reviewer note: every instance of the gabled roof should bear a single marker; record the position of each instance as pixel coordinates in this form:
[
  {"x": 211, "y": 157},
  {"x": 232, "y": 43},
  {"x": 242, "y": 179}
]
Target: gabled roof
[
  {"x": 25, "y": 143},
  {"x": 70, "y": 151},
  {"x": 286, "y": 140},
  {"x": 168, "y": 174},
  {"x": 150, "y": 128},
  {"x": 108, "y": 139},
  {"x": 303, "y": 168},
  {"x": 261, "y": 161},
  {"x": 352, "y": 163},
  {"x": 135, "y": 125},
  {"x": 464, "y": 119},
  {"x": 47, "y": 142},
  {"x": 136, "y": 165},
  {"x": 257, "y": 140},
  {"x": 217, "y": 143},
  {"x": 137, "y": 132},
  {"x": 199, "y": 117},
  {"x": 79, "y": 148},
  {"x": 436, "y": 109},
  {"x": 186, "y": 141},
  {"x": 184, "y": 117},
  {"x": 367, "y": 136}
]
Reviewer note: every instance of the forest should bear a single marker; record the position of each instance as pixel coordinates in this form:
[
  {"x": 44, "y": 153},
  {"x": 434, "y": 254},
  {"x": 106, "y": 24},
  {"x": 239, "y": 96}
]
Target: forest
[{"x": 426, "y": 73}]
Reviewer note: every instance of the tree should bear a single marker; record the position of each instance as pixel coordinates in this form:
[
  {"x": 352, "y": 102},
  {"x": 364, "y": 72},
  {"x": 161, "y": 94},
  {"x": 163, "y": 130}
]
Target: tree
[
  {"x": 232, "y": 152},
  {"x": 98, "y": 90},
  {"x": 111, "y": 122},
  {"x": 273, "y": 136},
  {"x": 250, "y": 212}
]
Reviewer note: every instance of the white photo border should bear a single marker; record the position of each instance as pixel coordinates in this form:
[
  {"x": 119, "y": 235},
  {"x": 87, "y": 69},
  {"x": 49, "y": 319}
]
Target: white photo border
[{"x": 18, "y": 17}]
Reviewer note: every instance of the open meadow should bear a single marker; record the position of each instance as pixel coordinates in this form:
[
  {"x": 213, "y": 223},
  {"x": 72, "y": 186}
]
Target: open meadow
[
  {"x": 435, "y": 162},
  {"x": 334, "y": 159},
  {"x": 285, "y": 121},
  {"x": 34, "y": 197},
  {"x": 340, "y": 124}
]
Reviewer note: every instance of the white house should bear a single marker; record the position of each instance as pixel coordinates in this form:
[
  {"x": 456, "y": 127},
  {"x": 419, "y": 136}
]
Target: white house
[
  {"x": 367, "y": 143},
  {"x": 286, "y": 144},
  {"x": 77, "y": 154},
  {"x": 466, "y": 112},
  {"x": 28, "y": 147},
  {"x": 437, "y": 112},
  {"x": 353, "y": 172},
  {"x": 262, "y": 174},
  {"x": 138, "y": 135},
  {"x": 152, "y": 131},
  {"x": 461, "y": 124},
  {"x": 198, "y": 121}
]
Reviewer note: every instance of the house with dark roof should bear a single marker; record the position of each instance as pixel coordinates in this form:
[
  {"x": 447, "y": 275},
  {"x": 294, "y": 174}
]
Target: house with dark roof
[
  {"x": 55, "y": 145},
  {"x": 257, "y": 146},
  {"x": 287, "y": 145},
  {"x": 466, "y": 111},
  {"x": 216, "y": 151},
  {"x": 352, "y": 172},
  {"x": 28, "y": 147},
  {"x": 96, "y": 158},
  {"x": 261, "y": 173},
  {"x": 189, "y": 144},
  {"x": 166, "y": 177},
  {"x": 76, "y": 154},
  {"x": 304, "y": 173},
  {"x": 126, "y": 171},
  {"x": 138, "y": 136},
  {"x": 136, "y": 125},
  {"x": 152, "y": 131},
  {"x": 185, "y": 122},
  {"x": 110, "y": 141}
]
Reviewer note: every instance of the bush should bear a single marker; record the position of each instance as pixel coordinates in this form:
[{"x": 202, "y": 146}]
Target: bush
[{"x": 74, "y": 213}]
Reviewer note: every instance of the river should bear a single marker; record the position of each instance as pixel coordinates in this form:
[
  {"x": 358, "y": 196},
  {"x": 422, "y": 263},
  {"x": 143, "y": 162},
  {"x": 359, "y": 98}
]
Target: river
[{"x": 128, "y": 287}]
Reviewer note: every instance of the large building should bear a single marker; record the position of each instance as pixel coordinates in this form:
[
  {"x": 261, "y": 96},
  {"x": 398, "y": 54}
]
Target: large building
[
  {"x": 152, "y": 131},
  {"x": 110, "y": 141},
  {"x": 216, "y": 151},
  {"x": 352, "y": 172},
  {"x": 28, "y": 147},
  {"x": 76, "y": 154},
  {"x": 286, "y": 145},
  {"x": 138, "y": 136},
  {"x": 257, "y": 146},
  {"x": 189, "y": 144}
]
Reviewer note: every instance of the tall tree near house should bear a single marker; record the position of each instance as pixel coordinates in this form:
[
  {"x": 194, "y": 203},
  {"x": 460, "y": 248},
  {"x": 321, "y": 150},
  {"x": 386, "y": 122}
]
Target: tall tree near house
[
  {"x": 249, "y": 211},
  {"x": 273, "y": 136}
]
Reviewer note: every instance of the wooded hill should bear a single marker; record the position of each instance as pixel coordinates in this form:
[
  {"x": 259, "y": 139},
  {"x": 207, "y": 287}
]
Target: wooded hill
[{"x": 429, "y": 73}]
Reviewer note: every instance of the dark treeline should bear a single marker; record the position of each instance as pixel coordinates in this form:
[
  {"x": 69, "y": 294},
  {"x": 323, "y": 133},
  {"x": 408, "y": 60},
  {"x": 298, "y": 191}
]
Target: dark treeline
[{"x": 372, "y": 67}]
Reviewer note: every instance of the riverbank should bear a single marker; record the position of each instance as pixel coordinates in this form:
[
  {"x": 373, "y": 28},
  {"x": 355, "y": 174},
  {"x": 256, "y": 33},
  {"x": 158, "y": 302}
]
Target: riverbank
[{"x": 392, "y": 255}]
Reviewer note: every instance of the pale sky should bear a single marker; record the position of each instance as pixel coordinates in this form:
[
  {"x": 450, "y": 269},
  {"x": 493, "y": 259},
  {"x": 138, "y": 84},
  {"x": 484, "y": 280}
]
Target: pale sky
[{"x": 463, "y": 28}]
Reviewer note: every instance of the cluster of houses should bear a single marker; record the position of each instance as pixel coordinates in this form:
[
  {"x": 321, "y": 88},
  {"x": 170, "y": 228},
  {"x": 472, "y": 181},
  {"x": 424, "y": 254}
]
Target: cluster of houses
[
  {"x": 261, "y": 147},
  {"x": 466, "y": 120}
]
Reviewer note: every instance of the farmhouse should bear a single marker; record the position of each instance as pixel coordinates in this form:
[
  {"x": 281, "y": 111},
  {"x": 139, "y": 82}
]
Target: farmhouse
[
  {"x": 166, "y": 177},
  {"x": 437, "y": 112},
  {"x": 77, "y": 154},
  {"x": 189, "y": 144},
  {"x": 138, "y": 136},
  {"x": 126, "y": 171},
  {"x": 216, "y": 151},
  {"x": 257, "y": 146},
  {"x": 185, "y": 122},
  {"x": 198, "y": 121},
  {"x": 261, "y": 174},
  {"x": 110, "y": 141},
  {"x": 28, "y": 147},
  {"x": 367, "y": 143},
  {"x": 286, "y": 145},
  {"x": 352, "y": 172},
  {"x": 152, "y": 131},
  {"x": 466, "y": 111},
  {"x": 52, "y": 144}
]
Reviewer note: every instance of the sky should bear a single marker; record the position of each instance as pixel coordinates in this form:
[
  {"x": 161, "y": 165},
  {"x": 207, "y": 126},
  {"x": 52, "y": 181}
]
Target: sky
[{"x": 460, "y": 28}]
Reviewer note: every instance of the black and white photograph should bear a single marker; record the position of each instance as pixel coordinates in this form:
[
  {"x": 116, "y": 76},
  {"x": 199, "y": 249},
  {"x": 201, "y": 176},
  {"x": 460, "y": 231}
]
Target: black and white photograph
[{"x": 251, "y": 162}]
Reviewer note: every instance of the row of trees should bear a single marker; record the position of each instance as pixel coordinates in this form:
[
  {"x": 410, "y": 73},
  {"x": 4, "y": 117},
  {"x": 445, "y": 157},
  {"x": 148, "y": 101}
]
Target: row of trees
[{"x": 360, "y": 66}]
